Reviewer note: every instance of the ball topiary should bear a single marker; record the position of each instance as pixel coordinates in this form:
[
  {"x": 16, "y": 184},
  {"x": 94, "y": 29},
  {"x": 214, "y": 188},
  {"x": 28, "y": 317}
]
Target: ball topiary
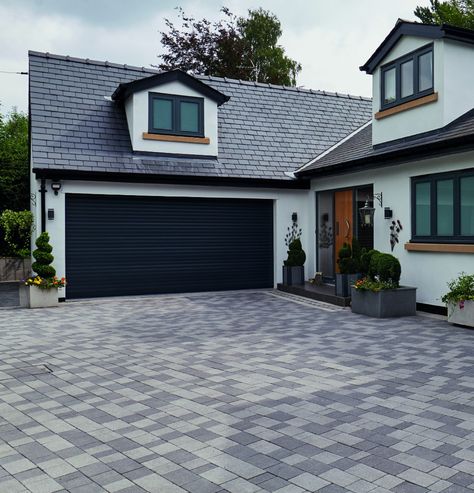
[
  {"x": 389, "y": 269},
  {"x": 365, "y": 259},
  {"x": 296, "y": 254},
  {"x": 373, "y": 270},
  {"x": 42, "y": 267}
]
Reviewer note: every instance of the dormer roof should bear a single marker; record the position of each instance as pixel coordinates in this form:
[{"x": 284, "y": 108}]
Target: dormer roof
[
  {"x": 126, "y": 89},
  {"x": 405, "y": 28}
]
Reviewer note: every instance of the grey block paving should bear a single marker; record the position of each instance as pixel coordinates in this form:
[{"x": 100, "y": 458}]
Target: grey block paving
[{"x": 232, "y": 392}]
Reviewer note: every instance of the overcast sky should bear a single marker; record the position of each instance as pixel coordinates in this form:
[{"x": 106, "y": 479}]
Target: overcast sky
[{"x": 330, "y": 38}]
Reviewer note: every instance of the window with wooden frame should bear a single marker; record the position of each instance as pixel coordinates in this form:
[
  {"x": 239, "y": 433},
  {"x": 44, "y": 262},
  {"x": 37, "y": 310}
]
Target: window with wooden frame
[
  {"x": 443, "y": 208},
  {"x": 171, "y": 114}
]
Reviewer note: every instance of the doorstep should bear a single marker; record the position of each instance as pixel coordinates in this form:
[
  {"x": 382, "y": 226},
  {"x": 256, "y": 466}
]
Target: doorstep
[{"x": 325, "y": 292}]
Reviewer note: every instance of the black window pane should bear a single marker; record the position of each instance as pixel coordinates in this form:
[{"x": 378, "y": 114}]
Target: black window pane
[
  {"x": 445, "y": 207},
  {"x": 189, "y": 116},
  {"x": 425, "y": 71},
  {"x": 423, "y": 209},
  {"x": 389, "y": 81},
  {"x": 407, "y": 79},
  {"x": 162, "y": 114},
  {"x": 467, "y": 206}
]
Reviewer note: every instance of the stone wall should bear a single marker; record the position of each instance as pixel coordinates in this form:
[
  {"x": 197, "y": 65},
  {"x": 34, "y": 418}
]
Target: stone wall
[{"x": 14, "y": 269}]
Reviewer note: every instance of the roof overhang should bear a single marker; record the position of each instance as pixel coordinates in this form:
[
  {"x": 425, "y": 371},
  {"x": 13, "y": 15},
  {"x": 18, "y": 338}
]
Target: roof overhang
[
  {"x": 421, "y": 152},
  {"x": 124, "y": 90},
  {"x": 404, "y": 28}
]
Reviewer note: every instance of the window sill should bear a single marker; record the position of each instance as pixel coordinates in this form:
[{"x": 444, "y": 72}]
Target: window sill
[
  {"x": 176, "y": 138},
  {"x": 431, "y": 98},
  {"x": 439, "y": 247}
]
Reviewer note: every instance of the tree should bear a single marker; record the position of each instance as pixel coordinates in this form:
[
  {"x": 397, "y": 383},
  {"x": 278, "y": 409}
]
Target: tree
[
  {"x": 455, "y": 12},
  {"x": 14, "y": 166},
  {"x": 236, "y": 47}
]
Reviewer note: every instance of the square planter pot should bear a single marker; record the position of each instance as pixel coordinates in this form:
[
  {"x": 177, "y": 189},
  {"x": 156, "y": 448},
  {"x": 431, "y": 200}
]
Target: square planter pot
[
  {"x": 34, "y": 297},
  {"x": 344, "y": 283},
  {"x": 293, "y": 276},
  {"x": 400, "y": 302},
  {"x": 461, "y": 316}
]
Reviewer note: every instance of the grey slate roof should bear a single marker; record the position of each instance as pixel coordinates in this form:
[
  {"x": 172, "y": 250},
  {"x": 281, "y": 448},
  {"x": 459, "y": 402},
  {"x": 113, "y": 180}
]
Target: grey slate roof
[
  {"x": 358, "y": 148},
  {"x": 264, "y": 131}
]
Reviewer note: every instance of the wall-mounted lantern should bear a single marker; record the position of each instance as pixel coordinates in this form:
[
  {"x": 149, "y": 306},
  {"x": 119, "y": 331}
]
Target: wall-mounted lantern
[
  {"x": 294, "y": 217},
  {"x": 367, "y": 213},
  {"x": 55, "y": 187}
]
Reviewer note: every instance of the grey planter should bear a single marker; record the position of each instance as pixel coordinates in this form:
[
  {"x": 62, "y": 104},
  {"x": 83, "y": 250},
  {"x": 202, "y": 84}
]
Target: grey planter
[
  {"x": 461, "y": 316},
  {"x": 344, "y": 283},
  {"x": 293, "y": 276},
  {"x": 34, "y": 297},
  {"x": 387, "y": 303}
]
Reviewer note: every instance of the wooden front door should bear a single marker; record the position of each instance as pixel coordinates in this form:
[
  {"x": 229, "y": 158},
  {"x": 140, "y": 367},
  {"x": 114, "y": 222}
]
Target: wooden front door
[{"x": 343, "y": 215}]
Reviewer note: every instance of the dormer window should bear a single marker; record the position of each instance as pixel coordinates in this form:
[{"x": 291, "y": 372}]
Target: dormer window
[
  {"x": 407, "y": 78},
  {"x": 175, "y": 115}
]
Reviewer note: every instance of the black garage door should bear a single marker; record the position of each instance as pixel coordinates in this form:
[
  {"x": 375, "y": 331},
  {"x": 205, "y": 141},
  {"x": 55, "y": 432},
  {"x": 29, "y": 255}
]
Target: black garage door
[{"x": 122, "y": 245}]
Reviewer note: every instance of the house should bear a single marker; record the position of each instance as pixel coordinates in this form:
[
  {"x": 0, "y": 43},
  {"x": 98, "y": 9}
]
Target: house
[
  {"x": 414, "y": 161},
  {"x": 162, "y": 182}
]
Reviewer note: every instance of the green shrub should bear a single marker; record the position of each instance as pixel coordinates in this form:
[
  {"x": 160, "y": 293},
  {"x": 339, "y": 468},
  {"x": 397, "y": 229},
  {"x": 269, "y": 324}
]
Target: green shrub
[
  {"x": 43, "y": 257},
  {"x": 384, "y": 267},
  {"x": 365, "y": 260},
  {"x": 17, "y": 226},
  {"x": 388, "y": 268},
  {"x": 460, "y": 289},
  {"x": 349, "y": 257},
  {"x": 296, "y": 254}
]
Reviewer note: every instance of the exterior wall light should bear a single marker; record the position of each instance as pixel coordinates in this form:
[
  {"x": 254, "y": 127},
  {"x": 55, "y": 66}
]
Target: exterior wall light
[
  {"x": 294, "y": 217},
  {"x": 55, "y": 187},
  {"x": 367, "y": 213}
]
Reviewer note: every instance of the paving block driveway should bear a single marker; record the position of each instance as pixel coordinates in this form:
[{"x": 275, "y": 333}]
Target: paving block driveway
[{"x": 239, "y": 392}]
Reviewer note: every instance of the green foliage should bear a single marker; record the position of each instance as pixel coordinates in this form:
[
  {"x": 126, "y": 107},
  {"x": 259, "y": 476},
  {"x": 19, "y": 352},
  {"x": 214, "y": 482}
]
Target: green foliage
[
  {"x": 460, "y": 289},
  {"x": 455, "y": 12},
  {"x": 349, "y": 257},
  {"x": 367, "y": 284},
  {"x": 14, "y": 168},
  {"x": 43, "y": 257},
  {"x": 16, "y": 226},
  {"x": 296, "y": 254},
  {"x": 384, "y": 268},
  {"x": 236, "y": 47},
  {"x": 365, "y": 259},
  {"x": 388, "y": 268}
]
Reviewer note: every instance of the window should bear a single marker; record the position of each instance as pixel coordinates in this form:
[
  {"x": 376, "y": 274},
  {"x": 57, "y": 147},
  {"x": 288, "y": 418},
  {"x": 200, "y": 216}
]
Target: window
[
  {"x": 176, "y": 115},
  {"x": 407, "y": 78},
  {"x": 443, "y": 208}
]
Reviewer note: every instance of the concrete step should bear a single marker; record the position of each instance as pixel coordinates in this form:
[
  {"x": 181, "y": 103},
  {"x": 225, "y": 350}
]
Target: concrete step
[{"x": 9, "y": 293}]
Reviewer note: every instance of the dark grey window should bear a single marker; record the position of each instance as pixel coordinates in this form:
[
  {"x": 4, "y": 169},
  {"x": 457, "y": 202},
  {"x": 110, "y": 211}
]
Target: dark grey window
[
  {"x": 443, "y": 207},
  {"x": 407, "y": 78},
  {"x": 176, "y": 115}
]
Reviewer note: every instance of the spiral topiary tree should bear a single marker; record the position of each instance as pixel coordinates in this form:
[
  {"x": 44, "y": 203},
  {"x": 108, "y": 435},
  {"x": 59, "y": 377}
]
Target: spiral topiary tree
[{"x": 42, "y": 267}]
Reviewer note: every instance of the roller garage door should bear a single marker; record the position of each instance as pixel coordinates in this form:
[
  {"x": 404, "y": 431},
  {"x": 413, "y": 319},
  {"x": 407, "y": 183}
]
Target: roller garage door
[{"x": 124, "y": 245}]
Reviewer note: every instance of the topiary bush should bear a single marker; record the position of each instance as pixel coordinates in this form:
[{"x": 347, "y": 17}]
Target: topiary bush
[
  {"x": 388, "y": 268},
  {"x": 296, "y": 254},
  {"x": 365, "y": 260},
  {"x": 349, "y": 258},
  {"x": 43, "y": 257}
]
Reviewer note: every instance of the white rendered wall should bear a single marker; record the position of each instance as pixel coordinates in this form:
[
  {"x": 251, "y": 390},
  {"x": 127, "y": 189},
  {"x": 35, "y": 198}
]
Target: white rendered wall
[
  {"x": 429, "y": 272},
  {"x": 285, "y": 203},
  {"x": 136, "y": 108}
]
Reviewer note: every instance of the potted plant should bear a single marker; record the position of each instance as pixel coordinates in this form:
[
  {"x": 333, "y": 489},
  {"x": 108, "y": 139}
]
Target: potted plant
[
  {"x": 379, "y": 294},
  {"x": 293, "y": 268},
  {"x": 349, "y": 261},
  {"x": 41, "y": 290},
  {"x": 460, "y": 300}
]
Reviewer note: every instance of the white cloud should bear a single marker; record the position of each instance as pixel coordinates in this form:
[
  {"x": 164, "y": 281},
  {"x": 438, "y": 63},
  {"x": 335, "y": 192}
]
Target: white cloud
[{"x": 330, "y": 39}]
